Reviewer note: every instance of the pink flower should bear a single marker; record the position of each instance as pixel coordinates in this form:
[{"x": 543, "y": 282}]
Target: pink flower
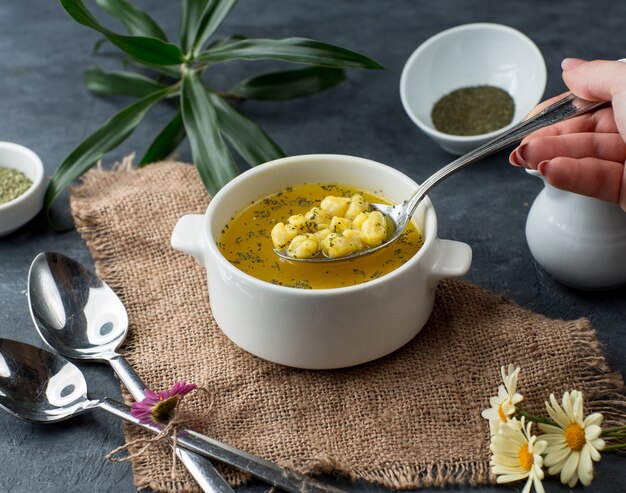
[{"x": 160, "y": 408}]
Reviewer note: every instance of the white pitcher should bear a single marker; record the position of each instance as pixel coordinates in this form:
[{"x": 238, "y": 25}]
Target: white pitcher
[{"x": 580, "y": 241}]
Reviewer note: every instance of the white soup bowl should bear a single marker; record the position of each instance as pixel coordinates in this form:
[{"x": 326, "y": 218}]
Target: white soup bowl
[{"x": 319, "y": 328}]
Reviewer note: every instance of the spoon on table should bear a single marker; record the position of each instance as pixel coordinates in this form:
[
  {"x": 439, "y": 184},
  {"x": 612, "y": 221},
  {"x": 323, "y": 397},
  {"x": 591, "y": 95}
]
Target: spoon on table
[
  {"x": 42, "y": 387},
  {"x": 80, "y": 317},
  {"x": 563, "y": 109}
]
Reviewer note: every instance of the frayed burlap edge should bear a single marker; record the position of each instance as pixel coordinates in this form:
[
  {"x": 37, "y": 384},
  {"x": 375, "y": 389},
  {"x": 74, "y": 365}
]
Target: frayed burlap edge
[
  {"x": 604, "y": 390},
  {"x": 100, "y": 249}
]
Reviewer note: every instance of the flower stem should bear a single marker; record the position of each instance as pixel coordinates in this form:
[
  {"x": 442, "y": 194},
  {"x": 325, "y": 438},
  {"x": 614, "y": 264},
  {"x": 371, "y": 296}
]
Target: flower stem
[
  {"x": 617, "y": 446},
  {"x": 536, "y": 419},
  {"x": 613, "y": 430},
  {"x": 608, "y": 433}
]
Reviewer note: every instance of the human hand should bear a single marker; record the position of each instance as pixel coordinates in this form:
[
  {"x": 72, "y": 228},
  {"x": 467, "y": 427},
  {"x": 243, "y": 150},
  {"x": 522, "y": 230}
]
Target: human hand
[{"x": 585, "y": 154}]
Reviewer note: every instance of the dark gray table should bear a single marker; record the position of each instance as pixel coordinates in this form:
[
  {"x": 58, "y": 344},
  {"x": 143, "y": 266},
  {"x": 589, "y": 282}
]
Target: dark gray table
[{"x": 44, "y": 106}]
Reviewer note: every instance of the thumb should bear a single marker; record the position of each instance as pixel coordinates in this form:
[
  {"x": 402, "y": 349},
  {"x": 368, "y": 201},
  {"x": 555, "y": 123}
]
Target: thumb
[{"x": 599, "y": 80}]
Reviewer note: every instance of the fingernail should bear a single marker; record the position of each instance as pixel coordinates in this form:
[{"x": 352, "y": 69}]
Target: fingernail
[
  {"x": 519, "y": 154},
  {"x": 513, "y": 159},
  {"x": 570, "y": 63},
  {"x": 543, "y": 167}
]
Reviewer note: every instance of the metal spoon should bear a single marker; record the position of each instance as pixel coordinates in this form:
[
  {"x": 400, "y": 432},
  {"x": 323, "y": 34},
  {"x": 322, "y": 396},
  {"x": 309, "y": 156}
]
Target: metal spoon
[
  {"x": 39, "y": 386},
  {"x": 80, "y": 317},
  {"x": 563, "y": 109}
]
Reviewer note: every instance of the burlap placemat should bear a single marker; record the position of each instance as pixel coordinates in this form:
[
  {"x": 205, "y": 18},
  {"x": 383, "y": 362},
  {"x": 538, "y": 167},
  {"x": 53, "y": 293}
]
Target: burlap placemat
[{"x": 410, "y": 419}]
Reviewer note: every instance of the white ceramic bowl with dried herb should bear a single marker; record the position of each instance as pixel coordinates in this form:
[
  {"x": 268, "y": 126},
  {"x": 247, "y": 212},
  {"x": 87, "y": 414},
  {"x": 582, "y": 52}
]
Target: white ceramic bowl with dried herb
[
  {"x": 22, "y": 186},
  {"x": 468, "y": 84}
]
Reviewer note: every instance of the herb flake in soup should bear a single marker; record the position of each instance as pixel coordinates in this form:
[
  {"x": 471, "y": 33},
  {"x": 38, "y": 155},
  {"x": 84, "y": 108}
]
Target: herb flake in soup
[{"x": 246, "y": 243}]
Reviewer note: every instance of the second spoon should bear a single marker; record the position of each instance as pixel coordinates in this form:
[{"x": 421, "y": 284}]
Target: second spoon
[{"x": 79, "y": 316}]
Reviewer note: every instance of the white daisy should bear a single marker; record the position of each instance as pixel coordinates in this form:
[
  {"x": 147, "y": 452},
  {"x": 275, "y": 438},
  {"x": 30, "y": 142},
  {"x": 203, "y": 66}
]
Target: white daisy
[
  {"x": 503, "y": 405},
  {"x": 574, "y": 443},
  {"x": 517, "y": 455}
]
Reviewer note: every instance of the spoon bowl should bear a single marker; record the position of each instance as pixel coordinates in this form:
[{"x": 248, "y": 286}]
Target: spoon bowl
[
  {"x": 75, "y": 312},
  {"x": 563, "y": 109},
  {"x": 38, "y": 386}
]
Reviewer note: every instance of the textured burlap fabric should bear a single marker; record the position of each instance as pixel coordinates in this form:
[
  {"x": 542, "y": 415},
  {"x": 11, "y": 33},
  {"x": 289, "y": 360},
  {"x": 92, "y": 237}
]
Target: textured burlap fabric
[{"x": 410, "y": 419}]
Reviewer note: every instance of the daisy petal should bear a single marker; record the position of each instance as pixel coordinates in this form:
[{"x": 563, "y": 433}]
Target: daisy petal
[
  {"x": 510, "y": 478},
  {"x": 577, "y": 406},
  {"x": 502, "y": 393},
  {"x": 585, "y": 467},
  {"x": 593, "y": 419},
  {"x": 592, "y": 432},
  {"x": 502, "y": 470},
  {"x": 572, "y": 482},
  {"x": 551, "y": 429},
  {"x": 540, "y": 447},
  {"x": 568, "y": 473},
  {"x": 556, "y": 456},
  {"x": 556, "y": 413},
  {"x": 568, "y": 404},
  {"x": 538, "y": 485},
  {"x": 593, "y": 450}
]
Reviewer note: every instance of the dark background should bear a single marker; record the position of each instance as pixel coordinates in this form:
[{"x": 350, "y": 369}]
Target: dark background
[{"x": 44, "y": 106}]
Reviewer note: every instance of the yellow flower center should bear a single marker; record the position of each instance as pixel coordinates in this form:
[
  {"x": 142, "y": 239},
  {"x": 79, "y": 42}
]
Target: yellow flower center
[
  {"x": 575, "y": 436},
  {"x": 526, "y": 459},
  {"x": 163, "y": 411},
  {"x": 501, "y": 413}
]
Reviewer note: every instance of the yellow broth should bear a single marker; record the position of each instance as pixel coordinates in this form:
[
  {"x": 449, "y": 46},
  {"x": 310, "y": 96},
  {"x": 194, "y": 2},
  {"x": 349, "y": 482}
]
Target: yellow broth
[{"x": 245, "y": 241}]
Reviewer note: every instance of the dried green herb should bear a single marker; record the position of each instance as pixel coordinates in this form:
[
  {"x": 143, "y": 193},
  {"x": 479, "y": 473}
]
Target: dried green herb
[
  {"x": 13, "y": 183},
  {"x": 473, "y": 111}
]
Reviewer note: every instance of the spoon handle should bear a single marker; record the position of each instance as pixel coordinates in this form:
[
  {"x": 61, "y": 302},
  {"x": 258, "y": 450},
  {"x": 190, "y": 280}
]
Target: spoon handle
[
  {"x": 259, "y": 468},
  {"x": 567, "y": 107},
  {"x": 209, "y": 480},
  {"x": 128, "y": 376}
]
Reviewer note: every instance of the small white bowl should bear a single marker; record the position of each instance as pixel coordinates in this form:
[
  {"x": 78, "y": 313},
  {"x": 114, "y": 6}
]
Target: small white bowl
[
  {"x": 319, "y": 328},
  {"x": 19, "y": 211},
  {"x": 471, "y": 55}
]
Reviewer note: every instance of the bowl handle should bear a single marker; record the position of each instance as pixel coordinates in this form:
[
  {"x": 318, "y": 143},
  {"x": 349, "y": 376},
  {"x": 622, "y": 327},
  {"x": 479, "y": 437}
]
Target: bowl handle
[
  {"x": 453, "y": 259},
  {"x": 187, "y": 236}
]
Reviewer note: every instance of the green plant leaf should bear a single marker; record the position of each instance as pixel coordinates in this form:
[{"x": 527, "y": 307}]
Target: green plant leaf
[
  {"x": 190, "y": 16},
  {"x": 212, "y": 16},
  {"x": 121, "y": 83},
  {"x": 148, "y": 50},
  {"x": 295, "y": 50},
  {"x": 115, "y": 131},
  {"x": 226, "y": 40},
  {"x": 97, "y": 45},
  {"x": 210, "y": 154},
  {"x": 172, "y": 72},
  {"x": 166, "y": 142},
  {"x": 136, "y": 21},
  {"x": 246, "y": 137},
  {"x": 289, "y": 84}
]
